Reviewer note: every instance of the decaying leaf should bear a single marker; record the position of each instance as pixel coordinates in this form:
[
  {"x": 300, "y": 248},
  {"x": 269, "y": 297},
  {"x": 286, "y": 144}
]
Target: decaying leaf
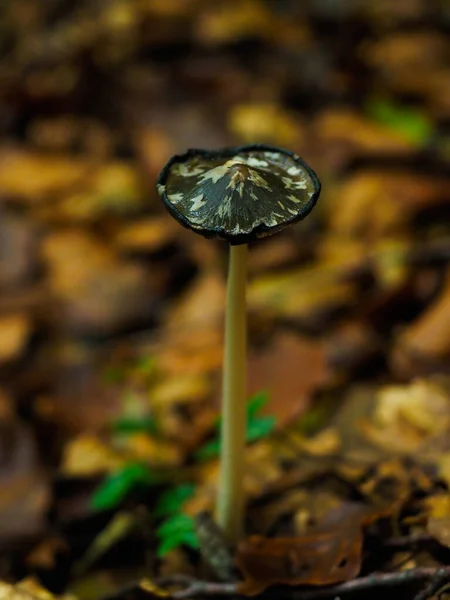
[
  {"x": 308, "y": 295},
  {"x": 25, "y": 493},
  {"x": 294, "y": 369},
  {"x": 427, "y": 339},
  {"x": 320, "y": 558},
  {"x": 407, "y": 416},
  {"x": 15, "y": 331},
  {"x": 29, "y": 589},
  {"x": 265, "y": 123},
  {"x": 96, "y": 290},
  {"x": 438, "y": 521},
  {"x": 47, "y": 174}
]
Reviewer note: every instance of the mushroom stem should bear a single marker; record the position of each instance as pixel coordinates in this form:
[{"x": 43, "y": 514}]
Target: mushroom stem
[{"x": 230, "y": 502}]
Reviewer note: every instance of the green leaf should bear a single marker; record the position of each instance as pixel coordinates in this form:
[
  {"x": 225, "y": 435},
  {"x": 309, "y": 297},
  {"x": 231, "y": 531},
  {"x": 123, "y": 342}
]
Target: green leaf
[
  {"x": 172, "y": 500},
  {"x": 177, "y": 530},
  {"x": 256, "y": 403},
  {"x": 257, "y": 428},
  {"x": 146, "y": 365},
  {"x": 117, "y": 485},
  {"x": 209, "y": 450},
  {"x": 181, "y": 538},
  {"x": 413, "y": 124},
  {"x": 177, "y": 522},
  {"x": 114, "y": 375},
  {"x": 128, "y": 425},
  {"x": 260, "y": 427}
]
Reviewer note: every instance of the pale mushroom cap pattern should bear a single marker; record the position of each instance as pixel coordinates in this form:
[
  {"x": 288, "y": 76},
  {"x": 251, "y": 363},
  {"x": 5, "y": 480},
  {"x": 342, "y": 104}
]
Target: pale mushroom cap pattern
[{"x": 238, "y": 194}]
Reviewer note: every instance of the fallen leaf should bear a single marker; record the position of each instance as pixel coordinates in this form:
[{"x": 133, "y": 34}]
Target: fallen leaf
[
  {"x": 307, "y": 296},
  {"x": 320, "y": 558},
  {"x": 267, "y": 123},
  {"x": 28, "y": 589},
  {"x": 25, "y": 489},
  {"x": 46, "y": 174},
  {"x": 438, "y": 522},
  {"x": 18, "y": 249},
  {"x": 427, "y": 339},
  {"x": 146, "y": 236},
  {"x": 98, "y": 293},
  {"x": 15, "y": 331},
  {"x": 376, "y": 202},
  {"x": 291, "y": 368}
]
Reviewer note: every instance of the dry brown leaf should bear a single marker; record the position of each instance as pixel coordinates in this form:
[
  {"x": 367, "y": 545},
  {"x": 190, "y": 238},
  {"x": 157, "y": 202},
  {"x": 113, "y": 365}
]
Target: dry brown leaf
[
  {"x": 44, "y": 555},
  {"x": 113, "y": 188},
  {"x": 15, "y": 331},
  {"x": 346, "y": 129},
  {"x": 267, "y": 123},
  {"x": 407, "y": 417},
  {"x": 409, "y": 61},
  {"x": 87, "y": 455},
  {"x": 146, "y": 235},
  {"x": 225, "y": 22},
  {"x": 307, "y": 295},
  {"x": 98, "y": 292},
  {"x": 376, "y": 202},
  {"x": 426, "y": 339},
  {"x": 438, "y": 522},
  {"x": 34, "y": 176},
  {"x": 28, "y": 589},
  {"x": 291, "y": 368},
  {"x": 320, "y": 558},
  {"x": 25, "y": 493},
  {"x": 18, "y": 249}
]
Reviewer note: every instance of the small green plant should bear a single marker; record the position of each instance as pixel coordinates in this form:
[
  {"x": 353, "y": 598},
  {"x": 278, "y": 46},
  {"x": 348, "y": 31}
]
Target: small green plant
[
  {"x": 257, "y": 427},
  {"x": 117, "y": 485},
  {"x": 412, "y": 123},
  {"x": 176, "y": 530}
]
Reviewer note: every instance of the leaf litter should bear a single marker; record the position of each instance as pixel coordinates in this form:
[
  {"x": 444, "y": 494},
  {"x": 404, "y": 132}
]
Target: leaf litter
[{"x": 111, "y": 319}]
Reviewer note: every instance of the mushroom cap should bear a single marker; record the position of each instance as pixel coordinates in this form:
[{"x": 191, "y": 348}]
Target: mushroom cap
[{"x": 238, "y": 194}]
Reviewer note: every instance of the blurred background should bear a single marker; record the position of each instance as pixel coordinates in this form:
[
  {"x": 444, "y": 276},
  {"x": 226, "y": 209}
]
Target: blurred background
[{"x": 111, "y": 313}]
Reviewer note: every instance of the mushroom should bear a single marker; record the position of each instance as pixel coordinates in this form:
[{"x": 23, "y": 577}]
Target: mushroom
[{"x": 237, "y": 195}]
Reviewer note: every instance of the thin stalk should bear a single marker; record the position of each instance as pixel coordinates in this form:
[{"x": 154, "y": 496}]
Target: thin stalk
[{"x": 230, "y": 501}]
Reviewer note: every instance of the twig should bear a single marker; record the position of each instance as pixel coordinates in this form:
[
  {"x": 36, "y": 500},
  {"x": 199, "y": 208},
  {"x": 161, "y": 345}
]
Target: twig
[
  {"x": 407, "y": 541},
  {"x": 433, "y": 585},
  {"x": 195, "y": 587}
]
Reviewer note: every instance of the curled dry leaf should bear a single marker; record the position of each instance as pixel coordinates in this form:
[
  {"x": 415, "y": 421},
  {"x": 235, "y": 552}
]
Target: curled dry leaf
[{"x": 320, "y": 558}]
